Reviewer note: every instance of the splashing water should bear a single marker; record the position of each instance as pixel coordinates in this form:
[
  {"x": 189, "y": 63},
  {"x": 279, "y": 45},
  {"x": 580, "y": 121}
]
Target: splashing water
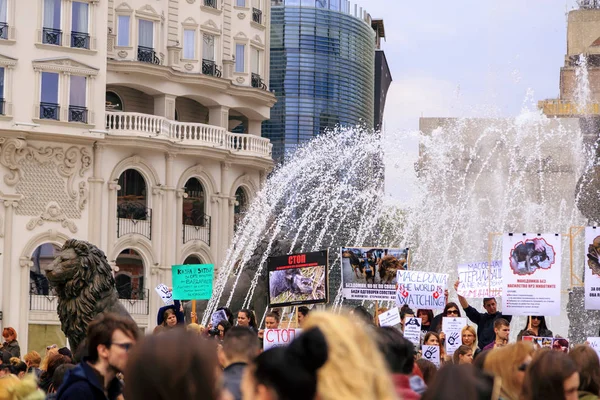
[{"x": 582, "y": 90}]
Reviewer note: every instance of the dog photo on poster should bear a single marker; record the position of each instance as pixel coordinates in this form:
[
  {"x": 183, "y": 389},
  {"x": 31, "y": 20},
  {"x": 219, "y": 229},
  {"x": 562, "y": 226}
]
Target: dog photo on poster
[
  {"x": 592, "y": 268},
  {"x": 298, "y": 279},
  {"x": 369, "y": 273}
]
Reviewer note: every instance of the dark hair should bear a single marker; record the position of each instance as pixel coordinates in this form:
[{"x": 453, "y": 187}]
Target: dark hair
[
  {"x": 166, "y": 315},
  {"x": 486, "y": 299},
  {"x": 362, "y": 314},
  {"x": 460, "y": 382},
  {"x": 47, "y": 376},
  {"x": 59, "y": 375},
  {"x": 274, "y": 313},
  {"x": 461, "y": 351},
  {"x": 399, "y": 353},
  {"x": 426, "y": 311},
  {"x": 227, "y": 313},
  {"x": 303, "y": 310},
  {"x": 587, "y": 361},
  {"x": 546, "y": 374},
  {"x": 7, "y": 366},
  {"x": 428, "y": 369},
  {"x": 292, "y": 371},
  {"x": 499, "y": 322},
  {"x": 101, "y": 329},
  {"x": 250, "y": 315},
  {"x": 241, "y": 342},
  {"x": 20, "y": 367},
  {"x": 543, "y": 325},
  {"x": 449, "y": 305},
  {"x": 65, "y": 352},
  {"x": 404, "y": 311},
  {"x": 158, "y": 367},
  {"x": 479, "y": 361},
  {"x": 226, "y": 326},
  {"x": 430, "y": 334}
]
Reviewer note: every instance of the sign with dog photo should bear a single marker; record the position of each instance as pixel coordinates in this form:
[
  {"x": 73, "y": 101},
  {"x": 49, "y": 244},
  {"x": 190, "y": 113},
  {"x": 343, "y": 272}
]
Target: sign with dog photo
[
  {"x": 420, "y": 289},
  {"x": 531, "y": 270},
  {"x": 369, "y": 273},
  {"x": 298, "y": 279},
  {"x": 592, "y": 268}
]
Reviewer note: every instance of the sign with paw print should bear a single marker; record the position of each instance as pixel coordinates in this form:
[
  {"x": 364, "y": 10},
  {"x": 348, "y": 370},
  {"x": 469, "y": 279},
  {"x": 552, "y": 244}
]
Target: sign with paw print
[
  {"x": 452, "y": 328},
  {"x": 431, "y": 353}
]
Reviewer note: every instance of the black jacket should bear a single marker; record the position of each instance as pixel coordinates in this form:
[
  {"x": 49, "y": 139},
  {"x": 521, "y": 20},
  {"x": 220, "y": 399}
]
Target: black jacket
[
  {"x": 232, "y": 379},
  {"x": 485, "y": 325},
  {"x": 82, "y": 382}
]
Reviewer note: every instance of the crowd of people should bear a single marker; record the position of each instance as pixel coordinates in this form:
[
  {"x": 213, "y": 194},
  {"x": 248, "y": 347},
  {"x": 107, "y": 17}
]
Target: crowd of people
[{"x": 337, "y": 356}]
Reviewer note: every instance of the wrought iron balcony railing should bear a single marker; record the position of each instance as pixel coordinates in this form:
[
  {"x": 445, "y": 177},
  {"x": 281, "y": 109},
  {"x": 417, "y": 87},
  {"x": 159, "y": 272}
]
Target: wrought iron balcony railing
[
  {"x": 2, "y": 108},
  {"x": 210, "y": 68},
  {"x": 52, "y": 36},
  {"x": 134, "y": 217},
  {"x": 80, "y": 40},
  {"x": 257, "y": 82},
  {"x": 49, "y": 111},
  {"x": 78, "y": 114},
  {"x": 257, "y": 15},
  {"x": 210, "y": 3},
  {"x": 147, "y": 54},
  {"x": 3, "y": 30},
  {"x": 196, "y": 227}
]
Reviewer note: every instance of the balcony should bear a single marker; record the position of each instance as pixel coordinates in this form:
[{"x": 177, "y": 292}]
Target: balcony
[
  {"x": 135, "y": 306},
  {"x": 148, "y": 55},
  {"x": 196, "y": 227},
  {"x": 257, "y": 82},
  {"x": 210, "y": 3},
  {"x": 3, "y": 30},
  {"x": 52, "y": 36},
  {"x": 210, "y": 68},
  {"x": 257, "y": 16},
  {"x": 80, "y": 40},
  {"x": 134, "y": 217},
  {"x": 566, "y": 108},
  {"x": 49, "y": 111},
  {"x": 187, "y": 133},
  {"x": 78, "y": 114},
  {"x": 2, "y": 106}
]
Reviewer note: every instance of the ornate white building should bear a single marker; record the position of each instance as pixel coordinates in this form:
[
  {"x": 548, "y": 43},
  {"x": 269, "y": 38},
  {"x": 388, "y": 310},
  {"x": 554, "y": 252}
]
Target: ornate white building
[{"x": 134, "y": 125}]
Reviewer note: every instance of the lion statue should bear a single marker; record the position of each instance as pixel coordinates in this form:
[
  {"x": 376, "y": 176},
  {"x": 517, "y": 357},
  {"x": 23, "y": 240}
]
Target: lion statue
[{"x": 85, "y": 286}]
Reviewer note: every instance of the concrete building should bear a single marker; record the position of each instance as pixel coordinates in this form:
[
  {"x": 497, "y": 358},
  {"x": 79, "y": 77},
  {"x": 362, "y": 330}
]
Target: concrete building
[
  {"x": 383, "y": 76},
  {"x": 134, "y": 125}
]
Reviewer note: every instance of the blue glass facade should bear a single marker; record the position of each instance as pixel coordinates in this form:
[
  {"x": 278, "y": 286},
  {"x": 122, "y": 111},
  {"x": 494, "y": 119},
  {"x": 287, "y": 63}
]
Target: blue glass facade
[{"x": 322, "y": 67}]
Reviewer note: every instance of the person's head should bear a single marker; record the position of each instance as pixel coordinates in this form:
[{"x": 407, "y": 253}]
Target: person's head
[
  {"x": 14, "y": 361},
  {"x": 65, "y": 352},
  {"x": 246, "y": 318},
  {"x": 9, "y": 334},
  {"x": 32, "y": 359},
  {"x": 351, "y": 347},
  {"x": 479, "y": 361},
  {"x": 54, "y": 362},
  {"x": 110, "y": 337},
  {"x": 169, "y": 318},
  {"x": 50, "y": 351},
  {"x": 463, "y": 355},
  {"x": 240, "y": 344},
  {"x": 6, "y": 369},
  {"x": 431, "y": 339},
  {"x": 176, "y": 364},
  {"x": 196, "y": 328},
  {"x": 501, "y": 329},
  {"x": 586, "y": 360},
  {"x": 469, "y": 336},
  {"x": 428, "y": 369},
  {"x": 425, "y": 315},
  {"x": 536, "y": 321},
  {"x": 552, "y": 375},
  {"x": 223, "y": 327},
  {"x": 20, "y": 369},
  {"x": 509, "y": 363},
  {"x": 287, "y": 372},
  {"x": 398, "y": 352},
  {"x": 228, "y": 313},
  {"x": 460, "y": 382},
  {"x": 59, "y": 376},
  {"x": 12, "y": 388},
  {"x": 272, "y": 320},
  {"x": 363, "y": 315},
  {"x": 405, "y": 312},
  {"x": 451, "y": 310},
  {"x": 490, "y": 305},
  {"x": 302, "y": 313}
]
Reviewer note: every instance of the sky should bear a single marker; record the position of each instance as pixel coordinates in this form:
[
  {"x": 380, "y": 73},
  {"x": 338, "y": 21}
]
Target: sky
[{"x": 469, "y": 58}]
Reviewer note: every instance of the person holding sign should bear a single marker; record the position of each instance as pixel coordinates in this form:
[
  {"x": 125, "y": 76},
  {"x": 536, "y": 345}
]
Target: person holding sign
[
  {"x": 463, "y": 355},
  {"x": 536, "y": 326},
  {"x": 271, "y": 322},
  {"x": 485, "y": 321}
]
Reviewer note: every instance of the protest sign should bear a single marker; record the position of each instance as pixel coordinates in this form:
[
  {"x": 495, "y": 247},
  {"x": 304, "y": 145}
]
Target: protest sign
[
  {"x": 419, "y": 289},
  {"x": 412, "y": 330},
  {"x": 431, "y": 353},
  {"x": 559, "y": 344},
  {"x": 531, "y": 274},
  {"x": 452, "y": 328},
  {"x": 165, "y": 294},
  {"x": 217, "y": 317},
  {"x": 279, "y": 337},
  {"x": 192, "y": 281},
  {"x": 594, "y": 343},
  {"x": 390, "y": 318},
  {"x": 592, "y": 268},
  {"x": 480, "y": 280},
  {"x": 370, "y": 273}
]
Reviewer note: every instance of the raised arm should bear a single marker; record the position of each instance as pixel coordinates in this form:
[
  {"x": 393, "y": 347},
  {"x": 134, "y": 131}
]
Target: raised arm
[
  {"x": 472, "y": 314},
  {"x": 463, "y": 302}
]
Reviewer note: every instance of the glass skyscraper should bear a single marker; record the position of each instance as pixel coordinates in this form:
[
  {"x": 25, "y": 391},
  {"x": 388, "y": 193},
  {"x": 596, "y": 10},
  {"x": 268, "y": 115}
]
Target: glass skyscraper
[{"x": 322, "y": 70}]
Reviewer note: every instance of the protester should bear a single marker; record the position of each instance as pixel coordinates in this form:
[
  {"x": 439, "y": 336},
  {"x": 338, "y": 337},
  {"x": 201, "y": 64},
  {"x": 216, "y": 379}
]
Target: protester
[
  {"x": 197, "y": 329},
  {"x": 33, "y": 360},
  {"x": 469, "y": 338},
  {"x": 247, "y": 318},
  {"x": 363, "y": 315},
  {"x": 7, "y": 381},
  {"x": 405, "y": 312},
  {"x": 587, "y": 362},
  {"x": 536, "y": 326},
  {"x": 552, "y": 375},
  {"x": 509, "y": 363},
  {"x": 450, "y": 310},
  {"x": 10, "y": 342},
  {"x": 272, "y": 320},
  {"x": 240, "y": 347},
  {"x": 426, "y": 319},
  {"x": 20, "y": 369},
  {"x": 502, "y": 332},
  {"x": 24, "y": 389},
  {"x": 428, "y": 369},
  {"x": 434, "y": 339},
  {"x": 463, "y": 355},
  {"x": 223, "y": 327},
  {"x": 302, "y": 314},
  {"x": 175, "y": 365},
  {"x": 50, "y": 351},
  {"x": 399, "y": 353},
  {"x": 168, "y": 321},
  {"x": 461, "y": 382},
  {"x": 65, "y": 352},
  {"x": 57, "y": 379},
  {"x": 109, "y": 339},
  {"x": 46, "y": 377},
  {"x": 484, "y": 321}
]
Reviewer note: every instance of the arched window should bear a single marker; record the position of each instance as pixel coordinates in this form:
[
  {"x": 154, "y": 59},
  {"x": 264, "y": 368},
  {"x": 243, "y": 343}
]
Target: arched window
[
  {"x": 130, "y": 277},
  {"x": 194, "y": 205},
  {"x": 193, "y": 259},
  {"x": 113, "y": 102},
  {"x": 241, "y": 206},
  {"x": 42, "y": 256}
]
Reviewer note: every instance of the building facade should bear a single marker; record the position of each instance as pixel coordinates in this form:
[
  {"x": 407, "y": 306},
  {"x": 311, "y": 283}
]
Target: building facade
[
  {"x": 383, "y": 75},
  {"x": 322, "y": 70},
  {"x": 134, "y": 125}
]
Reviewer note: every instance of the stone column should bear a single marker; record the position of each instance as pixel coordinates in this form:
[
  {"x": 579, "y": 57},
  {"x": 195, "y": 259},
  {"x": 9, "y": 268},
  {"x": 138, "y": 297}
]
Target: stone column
[
  {"x": 180, "y": 195},
  {"x": 168, "y": 231},
  {"x": 219, "y": 116},
  {"x": 113, "y": 188},
  {"x": 96, "y": 207},
  {"x": 159, "y": 237},
  {"x": 215, "y": 230},
  {"x": 254, "y": 127},
  {"x": 226, "y": 216},
  {"x": 22, "y": 328},
  {"x": 164, "y": 106},
  {"x": 10, "y": 273}
]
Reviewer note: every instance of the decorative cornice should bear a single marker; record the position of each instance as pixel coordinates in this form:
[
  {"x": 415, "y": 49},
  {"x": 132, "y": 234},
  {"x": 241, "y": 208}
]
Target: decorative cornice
[
  {"x": 181, "y": 194},
  {"x": 64, "y": 64},
  {"x": 53, "y": 213},
  {"x": 113, "y": 186}
]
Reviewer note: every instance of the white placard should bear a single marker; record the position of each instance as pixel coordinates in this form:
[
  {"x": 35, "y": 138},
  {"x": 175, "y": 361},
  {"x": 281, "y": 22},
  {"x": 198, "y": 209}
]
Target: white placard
[
  {"x": 217, "y": 317},
  {"x": 412, "y": 330},
  {"x": 419, "y": 289},
  {"x": 452, "y": 328},
  {"x": 431, "y": 353},
  {"x": 390, "y": 317},
  {"x": 594, "y": 343},
  {"x": 592, "y": 268},
  {"x": 480, "y": 280},
  {"x": 279, "y": 337},
  {"x": 531, "y": 274},
  {"x": 165, "y": 294}
]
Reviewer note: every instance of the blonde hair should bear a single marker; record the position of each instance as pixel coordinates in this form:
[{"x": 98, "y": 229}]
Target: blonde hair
[
  {"x": 33, "y": 358},
  {"x": 471, "y": 330},
  {"x": 49, "y": 354},
  {"x": 193, "y": 327},
  {"x": 504, "y": 363},
  {"x": 25, "y": 389},
  {"x": 350, "y": 348}
]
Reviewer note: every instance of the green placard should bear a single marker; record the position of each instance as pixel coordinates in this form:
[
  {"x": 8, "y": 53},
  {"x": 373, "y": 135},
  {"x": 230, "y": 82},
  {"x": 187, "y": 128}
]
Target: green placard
[{"x": 192, "y": 281}]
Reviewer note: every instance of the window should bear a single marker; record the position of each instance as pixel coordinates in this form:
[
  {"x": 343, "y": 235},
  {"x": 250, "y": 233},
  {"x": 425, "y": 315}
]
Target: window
[
  {"x": 123, "y": 30},
  {"x": 79, "y": 28},
  {"x": 49, "y": 108},
  {"x": 240, "y": 3},
  {"x": 240, "y": 49},
  {"x": 77, "y": 100},
  {"x": 255, "y": 58},
  {"x": 208, "y": 47},
  {"x": 3, "y": 19},
  {"x": 189, "y": 44},
  {"x": 51, "y": 33},
  {"x": 146, "y": 42},
  {"x": 2, "y": 110}
]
